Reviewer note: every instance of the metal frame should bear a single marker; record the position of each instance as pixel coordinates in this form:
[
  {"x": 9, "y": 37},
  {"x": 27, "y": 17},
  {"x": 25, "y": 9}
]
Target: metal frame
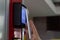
[{"x": 6, "y": 26}]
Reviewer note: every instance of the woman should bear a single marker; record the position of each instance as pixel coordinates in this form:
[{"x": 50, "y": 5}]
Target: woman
[{"x": 34, "y": 33}]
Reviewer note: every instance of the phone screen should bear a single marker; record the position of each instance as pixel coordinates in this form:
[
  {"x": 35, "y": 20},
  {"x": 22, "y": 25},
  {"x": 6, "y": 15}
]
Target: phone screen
[{"x": 23, "y": 15}]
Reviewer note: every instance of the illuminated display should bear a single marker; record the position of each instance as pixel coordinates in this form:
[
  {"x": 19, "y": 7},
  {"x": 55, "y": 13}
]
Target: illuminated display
[{"x": 23, "y": 15}]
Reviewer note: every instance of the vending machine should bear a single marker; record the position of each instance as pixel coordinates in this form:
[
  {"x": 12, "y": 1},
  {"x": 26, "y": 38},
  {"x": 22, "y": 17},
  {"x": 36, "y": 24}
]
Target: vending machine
[
  {"x": 18, "y": 21},
  {"x": 11, "y": 27}
]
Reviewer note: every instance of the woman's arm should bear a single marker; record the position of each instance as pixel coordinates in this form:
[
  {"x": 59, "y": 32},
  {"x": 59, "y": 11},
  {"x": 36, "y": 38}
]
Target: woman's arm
[{"x": 35, "y": 35}]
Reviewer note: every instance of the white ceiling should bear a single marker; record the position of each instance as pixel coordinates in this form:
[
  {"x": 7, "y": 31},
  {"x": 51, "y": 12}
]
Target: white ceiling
[
  {"x": 57, "y": 7},
  {"x": 40, "y": 7}
]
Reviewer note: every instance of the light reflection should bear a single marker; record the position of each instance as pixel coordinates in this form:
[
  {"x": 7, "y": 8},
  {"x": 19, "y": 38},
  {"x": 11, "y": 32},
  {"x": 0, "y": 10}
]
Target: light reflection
[
  {"x": 2, "y": 14},
  {"x": 1, "y": 26},
  {"x": 0, "y": 35}
]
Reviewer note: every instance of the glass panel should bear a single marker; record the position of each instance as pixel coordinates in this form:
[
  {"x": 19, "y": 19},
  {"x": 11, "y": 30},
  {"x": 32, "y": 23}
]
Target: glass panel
[
  {"x": 2, "y": 13},
  {"x": 1, "y": 26}
]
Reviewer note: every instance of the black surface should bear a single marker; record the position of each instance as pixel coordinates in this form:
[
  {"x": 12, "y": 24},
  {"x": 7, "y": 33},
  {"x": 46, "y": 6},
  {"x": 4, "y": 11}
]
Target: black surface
[
  {"x": 57, "y": 3},
  {"x": 17, "y": 15},
  {"x": 53, "y": 23}
]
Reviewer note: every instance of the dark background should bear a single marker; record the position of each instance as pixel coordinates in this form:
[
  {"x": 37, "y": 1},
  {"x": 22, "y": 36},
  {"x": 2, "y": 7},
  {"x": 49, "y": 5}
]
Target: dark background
[{"x": 53, "y": 23}]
